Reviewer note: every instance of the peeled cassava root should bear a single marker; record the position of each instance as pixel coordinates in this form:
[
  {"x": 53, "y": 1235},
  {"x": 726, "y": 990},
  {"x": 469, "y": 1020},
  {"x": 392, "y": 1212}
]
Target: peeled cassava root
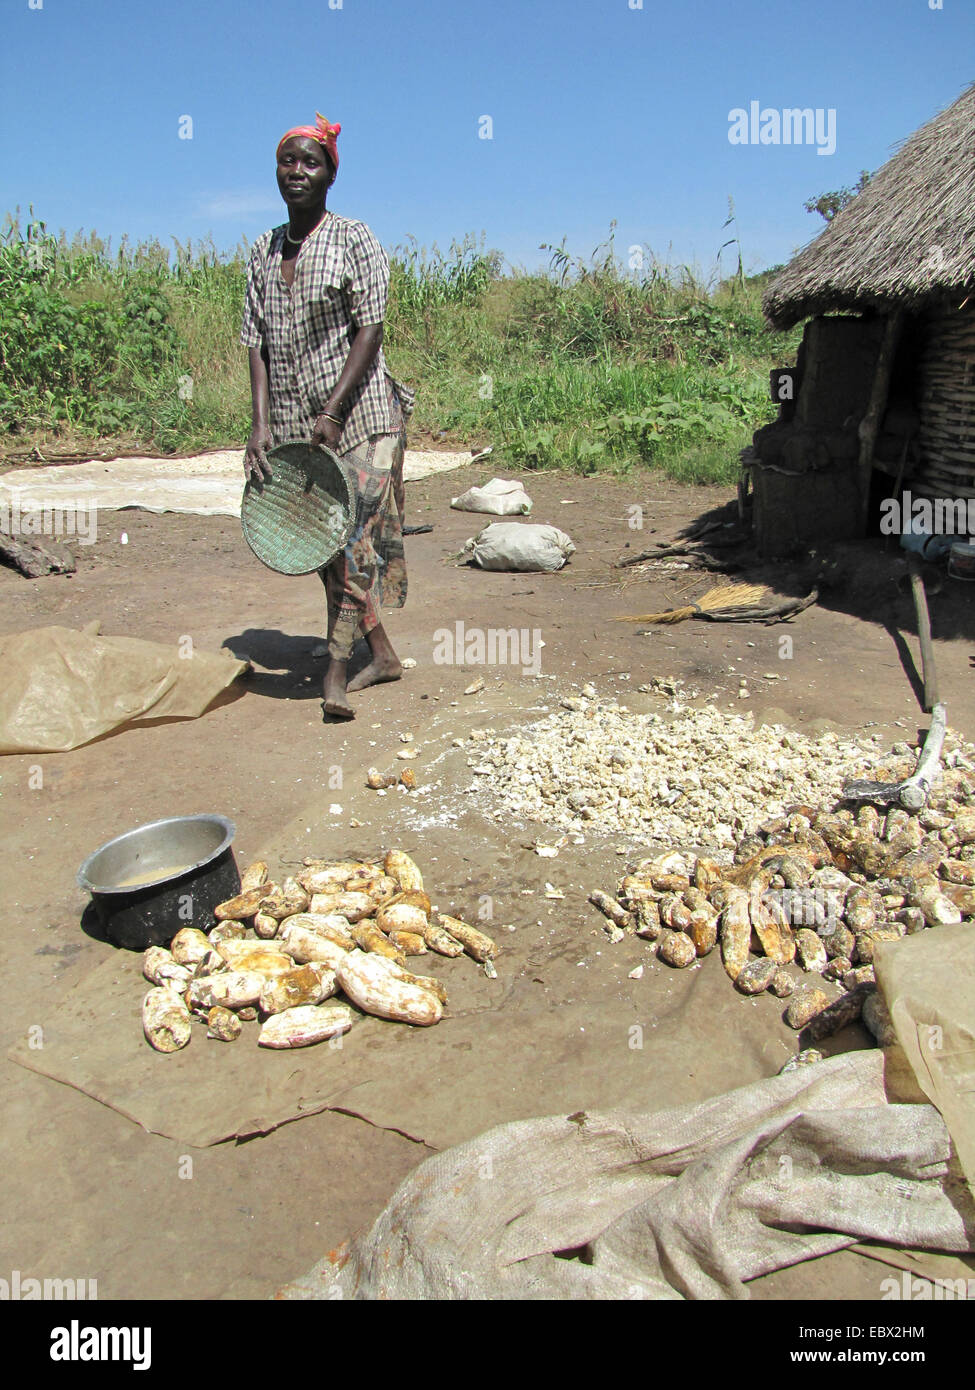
[
  {"x": 402, "y": 916},
  {"x": 165, "y": 1020},
  {"x": 411, "y": 943},
  {"x": 306, "y": 1024},
  {"x": 400, "y": 866},
  {"x": 301, "y": 985},
  {"x": 189, "y": 946},
  {"x": 244, "y": 905},
  {"x": 254, "y": 955},
  {"x": 254, "y": 877},
  {"x": 284, "y": 901},
  {"x": 159, "y": 967},
  {"x": 281, "y": 952},
  {"x": 368, "y": 937},
  {"x": 233, "y": 990},
  {"x": 352, "y": 904},
  {"x": 474, "y": 942},
  {"x": 223, "y": 1024},
  {"x": 369, "y": 982},
  {"x": 303, "y": 944}
]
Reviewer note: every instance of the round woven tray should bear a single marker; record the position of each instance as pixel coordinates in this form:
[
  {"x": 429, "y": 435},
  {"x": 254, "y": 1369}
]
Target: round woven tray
[{"x": 299, "y": 519}]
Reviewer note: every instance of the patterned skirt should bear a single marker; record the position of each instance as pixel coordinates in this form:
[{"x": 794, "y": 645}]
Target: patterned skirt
[{"x": 371, "y": 571}]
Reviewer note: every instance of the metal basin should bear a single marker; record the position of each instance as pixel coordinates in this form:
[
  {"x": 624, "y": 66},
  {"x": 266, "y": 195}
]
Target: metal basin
[{"x": 152, "y": 881}]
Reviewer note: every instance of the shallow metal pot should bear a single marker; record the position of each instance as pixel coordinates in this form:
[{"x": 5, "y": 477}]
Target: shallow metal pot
[{"x": 150, "y": 911}]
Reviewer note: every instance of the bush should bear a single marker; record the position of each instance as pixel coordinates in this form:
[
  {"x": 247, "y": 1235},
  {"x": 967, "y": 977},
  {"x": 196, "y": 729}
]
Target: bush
[{"x": 588, "y": 366}]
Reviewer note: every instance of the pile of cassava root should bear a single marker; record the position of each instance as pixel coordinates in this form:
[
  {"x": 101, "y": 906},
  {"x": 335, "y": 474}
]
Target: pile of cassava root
[
  {"x": 818, "y": 889},
  {"x": 338, "y": 926}
]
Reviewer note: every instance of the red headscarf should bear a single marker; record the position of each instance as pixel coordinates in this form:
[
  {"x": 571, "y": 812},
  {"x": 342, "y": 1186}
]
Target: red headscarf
[{"x": 323, "y": 131}]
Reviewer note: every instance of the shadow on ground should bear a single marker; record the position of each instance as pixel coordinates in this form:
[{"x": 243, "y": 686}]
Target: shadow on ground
[
  {"x": 284, "y": 667},
  {"x": 865, "y": 579}
]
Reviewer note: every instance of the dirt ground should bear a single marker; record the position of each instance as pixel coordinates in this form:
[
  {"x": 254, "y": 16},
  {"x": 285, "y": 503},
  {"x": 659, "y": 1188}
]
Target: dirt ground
[{"x": 265, "y": 751}]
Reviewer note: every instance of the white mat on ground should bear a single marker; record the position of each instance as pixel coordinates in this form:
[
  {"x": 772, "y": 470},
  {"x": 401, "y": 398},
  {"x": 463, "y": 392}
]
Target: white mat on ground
[
  {"x": 687, "y": 1203},
  {"x": 206, "y": 485}
]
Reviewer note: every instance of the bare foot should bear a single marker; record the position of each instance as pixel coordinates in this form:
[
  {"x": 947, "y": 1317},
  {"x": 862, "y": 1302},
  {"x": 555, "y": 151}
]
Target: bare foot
[
  {"x": 376, "y": 672},
  {"x": 334, "y": 700}
]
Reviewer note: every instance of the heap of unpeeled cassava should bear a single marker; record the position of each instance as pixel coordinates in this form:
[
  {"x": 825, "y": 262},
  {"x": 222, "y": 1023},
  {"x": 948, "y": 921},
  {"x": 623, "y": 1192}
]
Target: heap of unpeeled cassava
[{"x": 819, "y": 890}]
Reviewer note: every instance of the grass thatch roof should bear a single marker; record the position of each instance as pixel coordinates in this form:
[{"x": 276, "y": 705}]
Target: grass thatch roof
[{"x": 907, "y": 238}]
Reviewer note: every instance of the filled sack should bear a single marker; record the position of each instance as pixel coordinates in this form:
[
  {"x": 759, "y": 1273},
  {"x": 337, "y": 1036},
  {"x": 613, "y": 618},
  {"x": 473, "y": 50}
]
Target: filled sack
[{"x": 515, "y": 545}]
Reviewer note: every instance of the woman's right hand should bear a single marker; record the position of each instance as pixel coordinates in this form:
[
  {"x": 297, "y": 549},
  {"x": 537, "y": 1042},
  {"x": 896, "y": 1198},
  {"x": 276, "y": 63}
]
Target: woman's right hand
[{"x": 256, "y": 466}]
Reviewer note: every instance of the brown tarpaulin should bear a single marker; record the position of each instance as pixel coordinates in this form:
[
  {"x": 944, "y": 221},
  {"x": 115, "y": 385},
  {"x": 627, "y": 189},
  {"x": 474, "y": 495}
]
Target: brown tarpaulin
[{"x": 62, "y": 688}]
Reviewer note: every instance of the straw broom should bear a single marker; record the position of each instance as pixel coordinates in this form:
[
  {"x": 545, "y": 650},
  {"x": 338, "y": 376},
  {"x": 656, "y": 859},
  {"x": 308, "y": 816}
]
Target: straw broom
[{"x": 730, "y": 596}]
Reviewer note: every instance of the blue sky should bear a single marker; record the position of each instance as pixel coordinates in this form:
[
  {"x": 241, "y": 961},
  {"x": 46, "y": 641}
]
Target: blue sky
[{"x": 601, "y": 109}]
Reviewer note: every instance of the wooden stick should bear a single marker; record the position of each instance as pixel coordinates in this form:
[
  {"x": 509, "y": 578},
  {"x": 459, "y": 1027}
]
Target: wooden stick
[
  {"x": 679, "y": 548},
  {"x": 898, "y": 485},
  {"x": 870, "y": 424},
  {"x": 912, "y": 793},
  {"x": 923, "y": 633}
]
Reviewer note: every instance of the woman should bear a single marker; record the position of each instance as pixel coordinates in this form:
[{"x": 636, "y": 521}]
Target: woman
[{"x": 313, "y": 322}]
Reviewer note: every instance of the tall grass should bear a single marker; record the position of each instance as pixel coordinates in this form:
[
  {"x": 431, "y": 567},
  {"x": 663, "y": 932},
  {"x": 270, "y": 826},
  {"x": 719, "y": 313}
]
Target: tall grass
[{"x": 589, "y": 366}]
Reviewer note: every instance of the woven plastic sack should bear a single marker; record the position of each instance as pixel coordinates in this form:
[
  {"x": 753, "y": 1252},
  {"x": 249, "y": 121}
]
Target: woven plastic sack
[
  {"x": 927, "y": 981},
  {"x": 687, "y": 1203},
  {"x": 499, "y": 497},
  {"x": 518, "y": 545}
]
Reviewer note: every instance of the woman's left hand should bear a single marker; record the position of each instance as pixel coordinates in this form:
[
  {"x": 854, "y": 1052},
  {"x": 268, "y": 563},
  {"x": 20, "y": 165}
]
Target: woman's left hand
[{"x": 326, "y": 432}]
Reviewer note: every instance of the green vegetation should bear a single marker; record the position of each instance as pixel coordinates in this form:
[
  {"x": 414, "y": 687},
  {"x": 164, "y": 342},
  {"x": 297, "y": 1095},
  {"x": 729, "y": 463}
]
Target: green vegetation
[
  {"x": 829, "y": 204},
  {"x": 589, "y": 366}
]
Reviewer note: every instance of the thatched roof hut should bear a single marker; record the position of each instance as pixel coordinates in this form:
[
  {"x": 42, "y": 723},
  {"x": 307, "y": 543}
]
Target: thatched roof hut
[
  {"x": 885, "y": 374},
  {"x": 907, "y": 239}
]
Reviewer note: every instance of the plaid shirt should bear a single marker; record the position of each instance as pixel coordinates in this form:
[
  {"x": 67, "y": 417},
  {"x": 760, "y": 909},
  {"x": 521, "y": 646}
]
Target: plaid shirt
[{"x": 341, "y": 283}]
